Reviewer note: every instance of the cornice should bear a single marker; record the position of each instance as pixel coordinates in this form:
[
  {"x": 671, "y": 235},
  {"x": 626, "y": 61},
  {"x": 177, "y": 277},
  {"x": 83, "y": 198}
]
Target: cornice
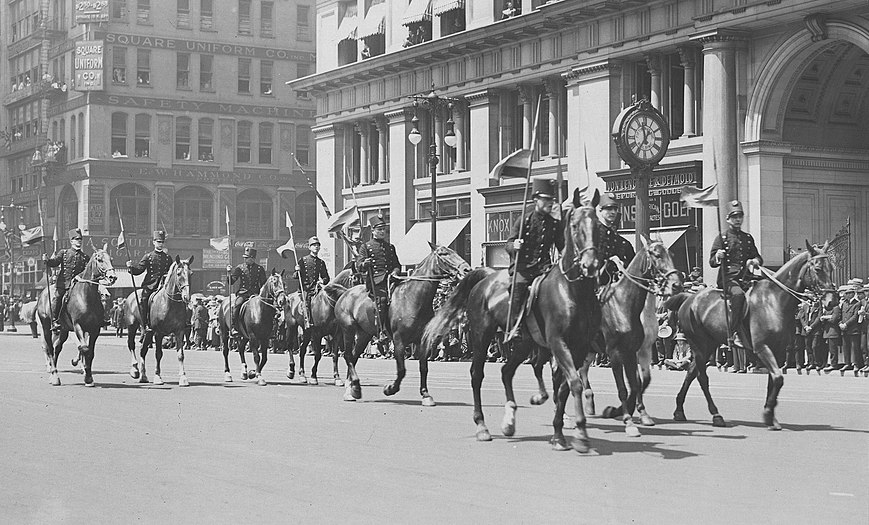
[
  {"x": 719, "y": 36},
  {"x": 398, "y": 115},
  {"x": 597, "y": 69}
]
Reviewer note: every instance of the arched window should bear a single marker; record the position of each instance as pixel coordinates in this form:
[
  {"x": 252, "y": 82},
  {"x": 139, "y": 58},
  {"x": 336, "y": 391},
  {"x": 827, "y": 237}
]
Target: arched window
[
  {"x": 306, "y": 215},
  {"x": 81, "y": 132},
  {"x": 119, "y": 134},
  {"x": 265, "y": 142},
  {"x": 254, "y": 211},
  {"x": 182, "y": 138},
  {"x": 134, "y": 202},
  {"x": 67, "y": 212},
  {"x": 193, "y": 211},
  {"x": 143, "y": 135},
  {"x": 242, "y": 155}
]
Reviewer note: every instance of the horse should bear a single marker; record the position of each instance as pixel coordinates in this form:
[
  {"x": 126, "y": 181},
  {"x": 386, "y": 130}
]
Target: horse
[
  {"x": 322, "y": 323},
  {"x": 83, "y": 314},
  {"x": 27, "y": 314},
  {"x": 768, "y": 322},
  {"x": 167, "y": 307},
  {"x": 564, "y": 317},
  {"x": 256, "y": 324},
  {"x": 410, "y": 308},
  {"x": 628, "y": 329}
]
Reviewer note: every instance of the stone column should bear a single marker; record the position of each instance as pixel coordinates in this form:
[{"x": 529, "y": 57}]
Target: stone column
[
  {"x": 348, "y": 174},
  {"x": 764, "y": 201},
  {"x": 526, "y": 96},
  {"x": 401, "y": 166},
  {"x": 553, "y": 92},
  {"x": 364, "y": 129},
  {"x": 382, "y": 141},
  {"x": 687, "y": 56},
  {"x": 653, "y": 62},
  {"x": 459, "y": 109},
  {"x": 484, "y": 111},
  {"x": 330, "y": 143}
]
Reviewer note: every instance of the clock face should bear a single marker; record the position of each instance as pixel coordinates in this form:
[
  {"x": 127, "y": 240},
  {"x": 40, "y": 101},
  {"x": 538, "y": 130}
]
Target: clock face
[{"x": 644, "y": 137}]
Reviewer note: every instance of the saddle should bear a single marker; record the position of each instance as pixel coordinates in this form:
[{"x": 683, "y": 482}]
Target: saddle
[
  {"x": 533, "y": 292},
  {"x": 745, "y": 311}
]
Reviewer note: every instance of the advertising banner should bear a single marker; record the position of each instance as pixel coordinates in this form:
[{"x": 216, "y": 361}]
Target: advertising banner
[
  {"x": 89, "y": 65},
  {"x": 91, "y": 11}
]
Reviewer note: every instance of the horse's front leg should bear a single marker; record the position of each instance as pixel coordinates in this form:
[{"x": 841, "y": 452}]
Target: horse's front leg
[
  {"x": 303, "y": 349},
  {"x": 158, "y": 355},
  {"x": 423, "y": 356},
  {"x": 317, "y": 346},
  {"x": 566, "y": 362},
  {"x": 561, "y": 393},
  {"x": 587, "y": 392},
  {"x": 179, "y": 351},
  {"x": 644, "y": 360},
  {"x": 334, "y": 348},
  {"x": 86, "y": 352},
  {"x": 520, "y": 352},
  {"x": 398, "y": 347},
  {"x": 131, "y": 346},
  {"x": 48, "y": 347},
  {"x": 774, "y": 385},
  {"x": 241, "y": 345},
  {"x": 224, "y": 346},
  {"x": 537, "y": 366},
  {"x": 146, "y": 341},
  {"x": 353, "y": 348},
  {"x": 261, "y": 356}
]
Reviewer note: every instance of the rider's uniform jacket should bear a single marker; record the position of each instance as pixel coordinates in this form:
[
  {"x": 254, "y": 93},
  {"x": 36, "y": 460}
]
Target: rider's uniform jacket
[
  {"x": 156, "y": 264},
  {"x": 610, "y": 243},
  {"x": 253, "y": 277},
  {"x": 71, "y": 261},
  {"x": 740, "y": 247},
  {"x": 313, "y": 270},
  {"x": 383, "y": 258},
  {"x": 540, "y": 233}
]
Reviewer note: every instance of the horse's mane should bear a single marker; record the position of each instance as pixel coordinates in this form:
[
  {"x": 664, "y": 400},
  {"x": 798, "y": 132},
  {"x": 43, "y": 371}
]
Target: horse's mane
[
  {"x": 793, "y": 264},
  {"x": 343, "y": 278}
]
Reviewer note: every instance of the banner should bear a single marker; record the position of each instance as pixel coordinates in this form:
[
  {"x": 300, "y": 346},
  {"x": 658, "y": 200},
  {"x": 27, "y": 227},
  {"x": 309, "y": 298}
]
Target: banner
[
  {"x": 88, "y": 65},
  {"x": 91, "y": 11}
]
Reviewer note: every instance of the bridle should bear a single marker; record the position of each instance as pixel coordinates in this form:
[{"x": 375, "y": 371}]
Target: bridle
[
  {"x": 655, "y": 284},
  {"x": 179, "y": 289},
  {"x": 577, "y": 253},
  {"x": 445, "y": 271},
  {"x": 274, "y": 296},
  {"x": 812, "y": 266},
  {"x": 99, "y": 273}
]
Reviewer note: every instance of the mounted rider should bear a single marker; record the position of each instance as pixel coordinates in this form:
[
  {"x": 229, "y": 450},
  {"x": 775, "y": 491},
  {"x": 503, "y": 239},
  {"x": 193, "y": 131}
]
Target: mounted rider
[
  {"x": 72, "y": 262},
  {"x": 610, "y": 243},
  {"x": 378, "y": 261},
  {"x": 531, "y": 254},
  {"x": 311, "y": 272},
  {"x": 735, "y": 252},
  {"x": 156, "y": 263},
  {"x": 253, "y": 278}
]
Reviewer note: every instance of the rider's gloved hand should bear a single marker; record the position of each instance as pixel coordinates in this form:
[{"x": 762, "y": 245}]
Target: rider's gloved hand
[
  {"x": 719, "y": 255},
  {"x": 228, "y": 268},
  {"x": 517, "y": 244},
  {"x": 296, "y": 268},
  {"x": 44, "y": 257},
  {"x": 129, "y": 264}
]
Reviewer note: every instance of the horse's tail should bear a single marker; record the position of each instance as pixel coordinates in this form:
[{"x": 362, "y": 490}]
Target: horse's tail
[{"x": 450, "y": 313}]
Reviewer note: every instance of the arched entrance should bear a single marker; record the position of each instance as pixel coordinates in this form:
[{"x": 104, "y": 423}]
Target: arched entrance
[
  {"x": 805, "y": 141},
  {"x": 67, "y": 212}
]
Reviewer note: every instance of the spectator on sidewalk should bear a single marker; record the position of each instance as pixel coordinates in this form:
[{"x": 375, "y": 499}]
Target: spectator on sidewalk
[
  {"x": 829, "y": 325},
  {"x": 849, "y": 325}
]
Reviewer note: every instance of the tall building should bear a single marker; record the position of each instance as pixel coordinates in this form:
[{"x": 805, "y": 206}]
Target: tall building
[
  {"x": 161, "y": 114},
  {"x": 767, "y": 99}
]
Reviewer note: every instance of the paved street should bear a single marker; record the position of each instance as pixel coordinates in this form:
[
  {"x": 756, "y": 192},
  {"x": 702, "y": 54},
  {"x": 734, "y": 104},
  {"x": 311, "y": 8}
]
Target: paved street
[{"x": 217, "y": 453}]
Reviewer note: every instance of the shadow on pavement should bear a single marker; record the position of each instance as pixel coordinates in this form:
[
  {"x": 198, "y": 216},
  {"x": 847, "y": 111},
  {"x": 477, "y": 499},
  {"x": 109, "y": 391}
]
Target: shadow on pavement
[
  {"x": 418, "y": 402},
  {"x": 602, "y": 447},
  {"x": 658, "y": 430},
  {"x": 796, "y": 428}
]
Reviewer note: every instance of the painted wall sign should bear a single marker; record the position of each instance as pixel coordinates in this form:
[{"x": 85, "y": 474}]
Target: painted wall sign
[
  {"x": 88, "y": 65},
  {"x": 215, "y": 48}
]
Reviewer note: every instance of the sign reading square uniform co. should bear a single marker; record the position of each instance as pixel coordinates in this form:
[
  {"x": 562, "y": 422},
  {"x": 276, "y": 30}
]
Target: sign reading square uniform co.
[{"x": 89, "y": 65}]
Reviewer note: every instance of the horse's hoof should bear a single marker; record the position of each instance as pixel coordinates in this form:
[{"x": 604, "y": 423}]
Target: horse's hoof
[
  {"x": 227, "y": 377},
  {"x": 508, "y": 424},
  {"x": 143, "y": 378},
  {"x": 559, "y": 444},
  {"x": 291, "y": 374},
  {"x": 390, "y": 389},
  {"x": 348, "y": 395},
  {"x": 182, "y": 381},
  {"x": 302, "y": 379},
  {"x": 679, "y": 415},
  {"x": 539, "y": 399},
  {"x": 647, "y": 420},
  {"x": 88, "y": 381},
  {"x": 339, "y": 381},
  {"x": 157, "y": 379},
  {"x": 261, "y": 381},
  {"x": 718, "y": 421},
  {"x": 588, "y": 403},
  {"x": 611, "y": 412},
  {"x": 582, "y": 445},
  {"x": 356, "y": 390},
  {"x": 484, "y": 435},
  {"x": 54, "y": 380},
  {"x": 134, "y": 372},
  {"x": 632, "y": 431},
  {"x": 775, "y": 425},
  {"x": 313, "y": 381},
  {"x": 428, "y": 401}
]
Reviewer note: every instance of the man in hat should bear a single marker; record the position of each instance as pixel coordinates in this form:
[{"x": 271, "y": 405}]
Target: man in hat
[
  {"x": 530, "y": 254},
  {"x": 72, "y": 261},
  {"x": 696, "y": 276},
  {"x": 851, "y": 327},
  {"x": 377, "y": 259},
  {"x": 311, "y": 272},
  {"x": 735, "y": 252},
  {"x": 200, "y": 323},
  {"x": 156, "y": 263},
  {"x": 610, "y": 243},
  {"x": 253, "y": 277}
]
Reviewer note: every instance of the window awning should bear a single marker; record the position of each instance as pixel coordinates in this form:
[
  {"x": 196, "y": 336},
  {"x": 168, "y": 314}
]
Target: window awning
[
  {"x": 668, "y": 237},
  {"x": 374, "y": 22},
  {"x": 413, "y": 247},
  {"x": 418, "y": 11},
  {"x": 347, "y": 28},
  {"x": 440, "y": 7}
]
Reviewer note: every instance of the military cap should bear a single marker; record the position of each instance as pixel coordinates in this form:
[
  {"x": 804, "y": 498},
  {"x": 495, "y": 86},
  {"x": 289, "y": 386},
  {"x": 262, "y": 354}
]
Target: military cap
[
  {"x": 607, "y": 200},
  {"x": 313, "y": 240},
  {"x": 542, "y": 189},
  {"x": 159, "y": 235},
  {"x": 249, "y": 251},
  {"x": 734, "y": 208},
  {"x": 75, "y": 234},
  {"x": 376, "y": 222}
]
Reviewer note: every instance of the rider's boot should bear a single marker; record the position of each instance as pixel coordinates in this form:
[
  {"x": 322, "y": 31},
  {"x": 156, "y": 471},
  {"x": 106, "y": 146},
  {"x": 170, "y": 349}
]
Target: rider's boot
[
  {"x": 235, "y": 311},
  {"x": 518, "y": 302},
  {"x": 55, "y": 314},
  {"x": 383, "y": 337}
]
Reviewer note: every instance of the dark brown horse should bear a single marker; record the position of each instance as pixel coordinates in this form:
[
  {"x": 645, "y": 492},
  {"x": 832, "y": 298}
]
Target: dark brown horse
[
  {"x": 83, "y": 314},
  {"x": 322, "y": 325},
  {"x": 625, "y": 333},
  {"x": 564, "y": 318},
  {"x": 168, "y": 306},
  {"x": 769, "y": 322},
  {"x": 256, "y": 324},
  {"x": 410, "y": 308}
]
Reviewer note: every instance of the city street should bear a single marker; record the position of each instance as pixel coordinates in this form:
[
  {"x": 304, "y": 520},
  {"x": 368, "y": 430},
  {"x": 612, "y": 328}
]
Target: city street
[{"x": 230, "y": 452}]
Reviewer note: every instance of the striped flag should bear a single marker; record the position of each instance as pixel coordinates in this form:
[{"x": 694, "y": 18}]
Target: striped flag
[
  {"x": 513, "y": 165},
  {"x": 122, "y": 242},
  {"x": 696, "y": 197},
  {"x": 31, "y": 236}
]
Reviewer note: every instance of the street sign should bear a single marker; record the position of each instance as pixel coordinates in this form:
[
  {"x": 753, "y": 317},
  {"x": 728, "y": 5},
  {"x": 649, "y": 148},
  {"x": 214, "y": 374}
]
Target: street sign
[{"x": 216, "y": 287}]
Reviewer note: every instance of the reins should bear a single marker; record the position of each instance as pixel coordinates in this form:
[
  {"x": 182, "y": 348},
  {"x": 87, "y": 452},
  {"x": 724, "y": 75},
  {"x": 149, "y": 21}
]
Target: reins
[
  {"x": 645, "y": 283},
  {"x": 577, "y": 257}
]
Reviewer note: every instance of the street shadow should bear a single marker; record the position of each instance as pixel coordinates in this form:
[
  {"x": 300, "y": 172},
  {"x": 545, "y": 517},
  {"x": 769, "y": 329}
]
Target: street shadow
[
  {"x": 662, "y": 431},
  {"x": 418, "y": 402},
  {"x": 795, "y": 427},
  {"x": 603, "y": 447}
]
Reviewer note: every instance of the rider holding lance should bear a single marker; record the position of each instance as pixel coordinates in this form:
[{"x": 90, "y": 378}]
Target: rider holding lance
[
  {"x": 610, "y": 243},
  {"x": 311, "y": 272},
  {"x": 253, "y": 277},
  {"x": 530, "y": 255},
  {"x": 156, "y": 264},
  {"x": 72, "y": 261},
  {"x": 735, "y": 252},
  {"x": 377, "y": 260}
]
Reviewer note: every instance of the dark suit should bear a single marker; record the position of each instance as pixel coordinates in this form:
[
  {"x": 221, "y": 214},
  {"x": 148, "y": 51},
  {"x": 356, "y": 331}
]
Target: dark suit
[
  {"x": 252, "y": 277},
  {"x": 72, "y": 262},
  {"x": 155, "y": 265}
]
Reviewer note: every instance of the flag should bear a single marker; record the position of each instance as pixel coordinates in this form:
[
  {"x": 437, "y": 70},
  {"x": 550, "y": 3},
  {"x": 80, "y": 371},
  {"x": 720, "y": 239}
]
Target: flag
[
  {"x": 122, "y": 242},
  {"x": 289, "y": 223},
  {"x": 343, "y": 218},
  {"x": 55, "y": 237},
  {"x": 31, "y": 236},
  {"x": 290, "y": 244},
  {"x": 220, "y": 243},
  {"x": 227, "y": 219},
  {"x": 513, "y": 165},
  {"x": 700, "y": 197}
]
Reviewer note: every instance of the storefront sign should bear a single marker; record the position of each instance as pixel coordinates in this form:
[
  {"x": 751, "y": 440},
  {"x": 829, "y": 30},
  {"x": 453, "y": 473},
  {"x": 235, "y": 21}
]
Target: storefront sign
[
  {"x": 91, "y": 11},
  {"x": 214, "y": 259},
  {"x": 96, "y": 207},
  {"x": 168, "y": 104},
  {"x": 216, "y": 287},
  {"x": 498, "y": 225},
  {"x": 215, "y": 48},
  {"x": 88, "y": 65},
  {"x": 116, "y": 169}
]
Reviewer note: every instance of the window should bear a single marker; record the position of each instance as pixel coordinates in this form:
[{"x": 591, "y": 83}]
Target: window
[
  {"x": 143, "y": 12},
  {"x": 193, "y": 211},
  {"x": 183, "y": 14},
  {"x": 182, "y": 70},
  {"x": 265, "y": 77},
  {"x": 206, "y": 15},
  {"x": 206, "y": 140},
  {"x": 242, "y": 154},
  {"x": 244, "y": 75},
  {"x": 266, "y": 19},
  {"x": 143, "y": 67},
  {"x": 244, "y": 17},
  {"x": 303, "y": 144},
  {"x": 254, "y": 214},
  {"x": 81, "y": 132},
  {"x": 119, "y": 135},
  {"x": 119, "y": 10},
  {"x": 206, "y": 63},
  {"x": 119, "y": 65},
  {"x": 265, "y": 142},
  {"x": 305, "y": 216},
  {"x": 67, "y": 210},
  {"x": 182, "y": 138},
  {"x": 134, "y": 203},
  {"x": 143, "y": 136},
  {"x": 303, "y": 26}
]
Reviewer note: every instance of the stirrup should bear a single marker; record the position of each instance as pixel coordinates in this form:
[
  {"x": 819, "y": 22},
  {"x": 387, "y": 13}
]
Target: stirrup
[
  {"x": 55, "y": 327},
  {"x": 515, "y": 334}
]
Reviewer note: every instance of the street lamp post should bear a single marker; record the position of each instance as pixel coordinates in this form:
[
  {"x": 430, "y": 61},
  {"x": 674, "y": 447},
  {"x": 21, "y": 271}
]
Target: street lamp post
[
  {"x": 9, "y": 235},
  {"x": 434, "y": 104}
]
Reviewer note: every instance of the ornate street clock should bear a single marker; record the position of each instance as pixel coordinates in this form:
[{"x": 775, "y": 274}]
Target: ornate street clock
[{"x": 641, "y": 134}]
